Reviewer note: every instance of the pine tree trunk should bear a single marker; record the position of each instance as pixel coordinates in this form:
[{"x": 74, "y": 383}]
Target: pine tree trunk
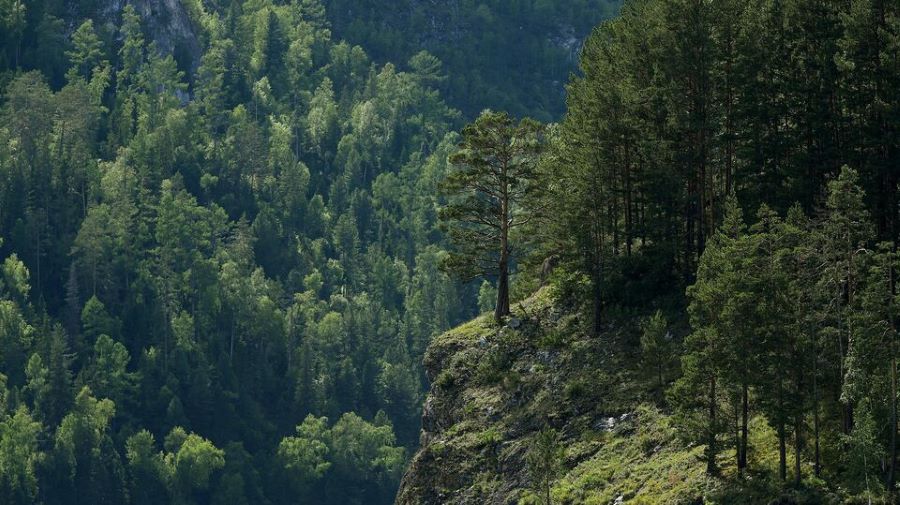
[
  {"x": 892, "y": 453},
  {"x": 711, "y": 467},
  {"x": 597, "y": 322},
  {"x": 782, "y": 435},
  {"x": 817, "y": 469},
  {"x": 782, "y": 451},
  {"x": 745, "y": 415},
  {"x": 502, "y": 309},
  {"x": 798, "y": 443}
]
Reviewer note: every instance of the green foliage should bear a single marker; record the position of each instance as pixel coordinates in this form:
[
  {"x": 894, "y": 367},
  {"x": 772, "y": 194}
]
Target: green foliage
[
  {"x": 250, "y": 211},
  {"x": 488, "y": 197},
  {"x": 354, "y": 452},
  {"x": 304, "y": 456},
  {"x": 246, "y": 209},
  {"x": 511, "y": 56},
  {"x": 656, "y": 344},
  {"x": 19, "y": 457},
  {"x": 86, "y": 54},
  {"x": 191, "y": 460},
  {"x": 544, "y": 461}
]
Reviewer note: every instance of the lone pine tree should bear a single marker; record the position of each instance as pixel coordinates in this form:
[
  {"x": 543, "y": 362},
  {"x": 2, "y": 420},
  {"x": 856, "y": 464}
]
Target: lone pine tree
[{"x": 488, "y": 194}]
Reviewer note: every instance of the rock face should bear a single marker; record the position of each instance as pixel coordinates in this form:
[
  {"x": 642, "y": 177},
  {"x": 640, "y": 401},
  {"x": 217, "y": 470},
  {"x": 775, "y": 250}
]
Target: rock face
[
  {"x": 493, "y": 388},
  {"x": 167, "y": 23}
]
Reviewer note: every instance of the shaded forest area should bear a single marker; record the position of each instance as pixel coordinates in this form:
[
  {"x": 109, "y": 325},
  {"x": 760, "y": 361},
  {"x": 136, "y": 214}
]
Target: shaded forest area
[
  {"x": 746, "y": 154},
  {"x": 224, "y": 258},
  {"x": 511, "y": 55},
  {"x": 221, "y": 266}
]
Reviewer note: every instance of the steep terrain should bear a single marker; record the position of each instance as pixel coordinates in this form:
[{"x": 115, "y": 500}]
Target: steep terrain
[
  {"x": 168, "y": 23},
  {"x": 498, "y": 54},
  {"x": 494, "y": 388}
]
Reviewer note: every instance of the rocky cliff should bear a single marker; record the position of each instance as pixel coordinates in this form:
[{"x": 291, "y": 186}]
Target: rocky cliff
[
  {"x": 494, "y": 387},
  {"x": 167, "y": 23}
]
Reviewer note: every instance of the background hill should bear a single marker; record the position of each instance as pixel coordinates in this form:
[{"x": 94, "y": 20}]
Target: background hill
[{"x": 218, "y": 221}]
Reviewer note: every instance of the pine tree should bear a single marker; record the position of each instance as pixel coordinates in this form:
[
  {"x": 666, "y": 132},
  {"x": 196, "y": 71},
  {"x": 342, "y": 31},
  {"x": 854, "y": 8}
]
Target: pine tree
[
  {"x": 716, "y": 360},
  {"x": 488, "y": 197},
  {"x": 656, "y": 344}
]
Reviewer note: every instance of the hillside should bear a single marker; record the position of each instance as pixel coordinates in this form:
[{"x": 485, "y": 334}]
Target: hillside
[
  {"x": 494, "y": 388},
  {"x": 232, "y": 231},
  {"x": 499, "y": 54}
]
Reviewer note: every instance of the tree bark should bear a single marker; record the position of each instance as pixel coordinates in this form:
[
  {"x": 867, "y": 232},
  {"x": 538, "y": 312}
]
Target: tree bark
[
  {"x": 782, "y": 434},
  {"x": 892, "y": 453},
  {"x": 502, "y": 309},
  {"x": 745, "y": 414},
  {"x": 816, "y": 465},
  {"x": 711, "y": 467},
  {"x": 798, "y": 444}
]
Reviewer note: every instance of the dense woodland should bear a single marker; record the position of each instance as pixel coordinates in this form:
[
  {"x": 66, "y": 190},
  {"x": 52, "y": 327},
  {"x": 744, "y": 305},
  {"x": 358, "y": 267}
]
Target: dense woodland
[
  {"x": 745, "y": 153},
  {"x": 221, "y": 271},
  {"x": 511, "y": 55},
  {"x": 217, "y": 282}
]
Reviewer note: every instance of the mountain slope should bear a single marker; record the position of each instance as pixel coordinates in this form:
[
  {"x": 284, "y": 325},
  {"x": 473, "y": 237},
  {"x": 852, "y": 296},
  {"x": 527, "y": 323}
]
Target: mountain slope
[
  {"x": 495, "y": 388},
  {"x": 513, "y": 56}
]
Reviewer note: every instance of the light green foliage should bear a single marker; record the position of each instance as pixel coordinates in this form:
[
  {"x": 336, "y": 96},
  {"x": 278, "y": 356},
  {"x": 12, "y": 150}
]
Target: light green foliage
[
  {"x": 82, "y": 429},
  {"x": 487, "y": 296},
  {"x": 86, "y": 55},
  {"x": 544, "y": 462},
  {"x": 305, "y": 456},
  {"x": 357, "y": 446},
  {"x": 191, "y": 460},
  {"x": 19, "y": 457},
  {"x": 15, "y": 279},
  {"x": 353, "y": 451},
  {"x": 146, "y": 467}
]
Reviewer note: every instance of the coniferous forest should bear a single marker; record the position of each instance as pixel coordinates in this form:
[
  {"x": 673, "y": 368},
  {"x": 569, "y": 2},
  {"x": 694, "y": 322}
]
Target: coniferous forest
[{"x": 229, "y": 231}]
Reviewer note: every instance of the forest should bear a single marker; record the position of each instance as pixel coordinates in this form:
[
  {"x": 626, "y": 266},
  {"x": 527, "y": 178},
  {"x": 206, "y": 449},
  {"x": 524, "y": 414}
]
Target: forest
[
  {"x": 219, "y": 273},
  {"x": 230, "y": 230},
  {"x": 734, "y": 165}
]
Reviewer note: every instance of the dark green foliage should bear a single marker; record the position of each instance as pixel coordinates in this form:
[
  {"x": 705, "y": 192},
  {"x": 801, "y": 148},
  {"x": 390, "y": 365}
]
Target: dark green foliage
[
  {"x": 207, "y": 248},
  {"x": 501, "y": 54},
  {"x": 688, "y": 113},
  {"x": 656, "y": 345},
  {"x": 489, "y": 193}
]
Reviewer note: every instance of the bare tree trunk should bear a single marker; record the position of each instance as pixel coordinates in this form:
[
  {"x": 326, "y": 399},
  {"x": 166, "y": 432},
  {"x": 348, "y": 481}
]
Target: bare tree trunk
[
  {"x": 782, "y": 435},
  {"x": 892, "y": 453},
  {"x": 502, "y": 309},
  {"x": 817, "y": 469}
]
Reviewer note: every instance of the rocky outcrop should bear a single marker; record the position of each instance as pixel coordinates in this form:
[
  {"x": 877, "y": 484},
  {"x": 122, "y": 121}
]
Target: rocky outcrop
[
  {"x": 167, "y": 23},
  {"x": 493, "y": 388}
]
